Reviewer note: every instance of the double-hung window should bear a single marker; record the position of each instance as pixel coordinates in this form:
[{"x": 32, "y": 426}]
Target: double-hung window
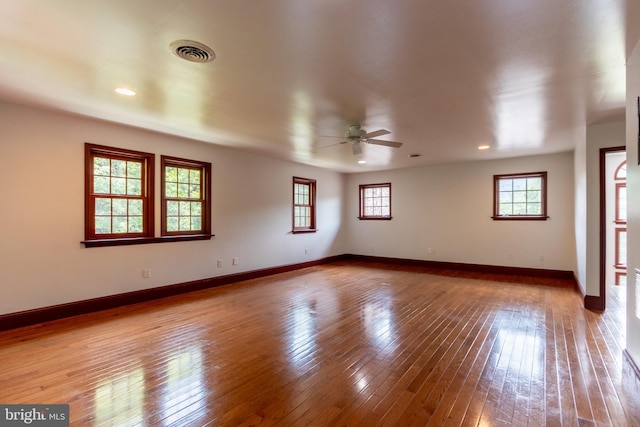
[
  {"x": 520, "y": 196},
  {"x": 304, "y": 205},
  {"x": 375, "y": 201},
  {"x": 118, "y": 194},
  {"x": 186, "y": 197}
]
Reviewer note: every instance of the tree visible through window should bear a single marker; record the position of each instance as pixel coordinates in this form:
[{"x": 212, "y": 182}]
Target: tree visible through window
[
  {"x": 186, "y": 197},
  {"x": 118, "y": 193},
  {"x": 304, "y": 205},
  {"x": 375, "y": 201},
  {"x": 520, "y": 196}
]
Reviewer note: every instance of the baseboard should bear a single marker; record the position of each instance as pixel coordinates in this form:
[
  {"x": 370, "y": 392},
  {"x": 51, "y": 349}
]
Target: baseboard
[
  {"x": 474, "y": 268},
  {"x": 593, "y": 303},
  {"x": 45, "y": 314}
]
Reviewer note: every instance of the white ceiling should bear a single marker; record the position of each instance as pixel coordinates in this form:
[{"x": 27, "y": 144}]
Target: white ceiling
[{"x": 523, "y": 76}]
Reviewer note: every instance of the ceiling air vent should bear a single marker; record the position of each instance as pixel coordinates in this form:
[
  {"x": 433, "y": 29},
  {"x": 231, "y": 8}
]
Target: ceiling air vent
[{"x": 193, "y": 51}]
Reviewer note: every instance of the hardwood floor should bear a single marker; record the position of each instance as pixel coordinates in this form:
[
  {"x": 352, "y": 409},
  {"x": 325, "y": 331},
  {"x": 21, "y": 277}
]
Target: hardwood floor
[{"x": 339, "y": 344}]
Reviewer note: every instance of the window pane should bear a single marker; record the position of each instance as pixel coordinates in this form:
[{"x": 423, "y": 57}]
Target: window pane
[
  {"x": 119, "y": 224},
  {"x": 172, "y": 208},
  {"x": 135, "y": 207},
  {"x": 183, "y": 175},
  {"x": 506, "y": 197},
  {"x": 134, "y": 187},
  {"x": 506, "y": 209},
  {"x": 171, "y": 174},
  {"x": 185, "y": 208},
  {"x": 194, "y": 191},
  {"x": 103, "y": 224},
  {"x": 134, "y": 170},
  {"x": 519, "y": 184},
  {"x": 196, "y": 223},
  {"x": 534, "y": 183},
  {"x": 519, "y": 209},
  {"x": 118, "y": 168},
  {"x": 196, "y": 208},
  {"x": 194, "y": 176},
  {"x": 533, "y": 196},
  {"x": 519, "y": 197},
  {"x": 118, "y": 186},
  {"x": 135, "y": 224},
  {"x": 171, "y": 189},
  {"x": 183, "y": 191},
  {"x": 101, "y": 185},
  {"x": 185, "y": 223},
  {"x": 119, "y": 206},
  {"x": 505, "y": 185},
  {"x": 172, "y": 223},
  {"x": 103, "y": 206},
  {"x": 534, "y": 209},
  {"x": 101, "y": 166}
]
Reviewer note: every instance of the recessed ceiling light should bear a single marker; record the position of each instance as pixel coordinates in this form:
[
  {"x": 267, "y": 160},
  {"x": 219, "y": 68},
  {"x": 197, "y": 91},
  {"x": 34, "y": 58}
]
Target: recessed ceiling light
[
  {"x": 483, "y": 147},
  {"x": 125, "y": 91},
  {"x": 362, "y": 162}
]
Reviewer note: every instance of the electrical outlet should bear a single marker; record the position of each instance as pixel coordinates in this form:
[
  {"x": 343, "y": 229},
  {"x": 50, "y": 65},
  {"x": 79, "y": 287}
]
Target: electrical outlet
[
  {"x": 146, "y": 273},
  {"x": 431, "y": 251},
  {"x": 219, "y": 263},
  {"x": 306, "y": 251},
  {"x": 236, "y": 260}
]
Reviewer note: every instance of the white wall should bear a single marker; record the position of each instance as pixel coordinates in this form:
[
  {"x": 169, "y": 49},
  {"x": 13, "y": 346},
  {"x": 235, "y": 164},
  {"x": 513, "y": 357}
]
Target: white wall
[
  {"x": 448, "y": 209},
  {"x": 588, "y": 238},
  {"x": 633, "y": 207},
  {"x": 580, "y": 213},
  {"x": 42, "y": 261}
]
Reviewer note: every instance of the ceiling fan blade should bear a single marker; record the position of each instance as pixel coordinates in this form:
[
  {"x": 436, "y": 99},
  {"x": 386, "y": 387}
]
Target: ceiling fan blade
[
  {"x": 375, "y": 133},
  {"x": 357, "y": 149},
  {"x": 328, "y": 146},
  {"x": 385, "y": 143}
]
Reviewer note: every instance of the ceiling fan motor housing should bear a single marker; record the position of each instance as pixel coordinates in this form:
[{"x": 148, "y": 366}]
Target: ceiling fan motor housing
[{"x": 355, "y": 132}]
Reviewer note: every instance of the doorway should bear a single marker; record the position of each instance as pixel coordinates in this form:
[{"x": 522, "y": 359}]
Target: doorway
[{"x": 613, "y": 226}]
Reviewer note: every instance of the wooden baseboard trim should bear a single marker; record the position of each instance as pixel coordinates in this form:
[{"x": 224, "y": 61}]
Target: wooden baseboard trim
[
  {"x": 45, "y": 314},
  {"x": 474, "y": 268},
  {"x": 593, "y": 303}
]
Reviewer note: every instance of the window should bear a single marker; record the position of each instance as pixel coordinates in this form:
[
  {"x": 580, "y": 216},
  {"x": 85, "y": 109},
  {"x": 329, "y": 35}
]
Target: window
[
  {"x": 520, "y": 196},
  {"x": 118, "y": 193},
  {"x": 304, "y": 205},
  {"x": 186, "y": 197},
  {"x": 375, "y": 201}
]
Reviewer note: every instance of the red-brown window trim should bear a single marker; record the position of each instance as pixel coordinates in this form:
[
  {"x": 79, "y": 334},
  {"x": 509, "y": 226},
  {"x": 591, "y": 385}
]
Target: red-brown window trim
[
  {"x": 496, "y": 200},
  {"x": 361, "y": 214},
  {"x": 617, "y": 263},
  {"x": 619, "y": 186},
  {"x": 205, "y": 179},
  {"x": 148, "y": 162},
  {"x": 312, "y": 205}
]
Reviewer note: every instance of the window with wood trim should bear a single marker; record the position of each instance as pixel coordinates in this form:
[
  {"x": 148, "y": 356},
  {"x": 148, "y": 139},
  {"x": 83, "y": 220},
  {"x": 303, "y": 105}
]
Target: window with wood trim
[
  {"x": 375, "y": 201},
  {"x": 186, "y": 197},
  {"x": 118, "y": 193},
  {"x": 304, "y": 205},
  {"x": 521, "y": 196}
]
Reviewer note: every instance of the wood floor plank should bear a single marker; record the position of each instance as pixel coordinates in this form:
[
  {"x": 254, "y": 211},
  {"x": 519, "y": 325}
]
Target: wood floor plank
[{"x": 343, "y": 344}]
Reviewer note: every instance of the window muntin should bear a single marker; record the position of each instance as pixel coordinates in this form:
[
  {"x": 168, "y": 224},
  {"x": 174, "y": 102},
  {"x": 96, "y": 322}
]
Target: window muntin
[
  {"x": 375, "y": 201},
  {"x": 304, "y": 205},
  {"x": 186, "y": 197},
  {"x": 118, "y": 193},
  {"x": 520, "y": 196}
]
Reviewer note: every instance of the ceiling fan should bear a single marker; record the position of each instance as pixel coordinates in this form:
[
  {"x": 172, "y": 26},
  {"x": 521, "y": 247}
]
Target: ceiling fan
[{"x": 356, "y": 135}]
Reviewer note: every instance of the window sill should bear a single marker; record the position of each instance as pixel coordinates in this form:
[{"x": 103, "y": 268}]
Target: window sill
[
  {"x": 375, "y": 218},
  {"x": 144, "y": 240},
  {"x": 519, "y": 218},
  {"x": 305, "y": 230}
]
